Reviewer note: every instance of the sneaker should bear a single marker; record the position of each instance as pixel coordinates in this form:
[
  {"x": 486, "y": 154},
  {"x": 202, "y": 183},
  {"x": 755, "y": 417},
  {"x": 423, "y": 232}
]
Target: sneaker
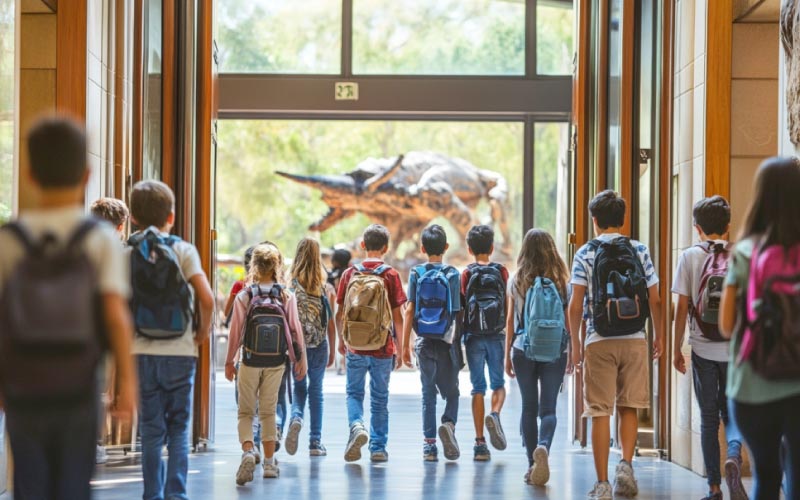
[
  {"x": 481, "y": 452},
  {"x": 540, "y": 472},
  {"x": 624, "y": 482},
  {"x": 733, "y": 476},
  {"x": 101, "y": 456},
  {"x": 316, "y": 449},
  {"x": 379, "y": 456},
  {"x": 496, "y": 434},
  {"x": 713, "y": 496},
  {"x": 601, "y": 491},
  {"x": 430, "y": 453},
  {"x": 358, "y": 438},
  {"x": 527, "y": 477},
  {"x": 447, "y": 433},
  {"x": 292, "y": 437},
  {"x": 271, "y": 470},
  {"x": 245, "y": 473}
]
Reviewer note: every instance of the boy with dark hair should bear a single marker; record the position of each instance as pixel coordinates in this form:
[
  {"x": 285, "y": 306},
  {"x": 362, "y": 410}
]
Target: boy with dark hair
[
  {"x": 49, "y": 391},
  {"x": 694, "y": 285},
  {"x": 369, "y": 343},
  {"x": 433, "y": 306},
  {"x": 614, "y": 290},
  {"x": 483, "y": 293},
  {"x": 166, "y": 362},
  {"x": 112, "y": 210}
]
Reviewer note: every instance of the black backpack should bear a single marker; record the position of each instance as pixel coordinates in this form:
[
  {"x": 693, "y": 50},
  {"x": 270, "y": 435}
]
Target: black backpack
[
  {"x": 51, "y": 335},
  {"x": 162, "y": 301},
  {"x": 620, "y": 299},
  {"x": 266, "y": 339},
  {"x": 485, "y": 300}
]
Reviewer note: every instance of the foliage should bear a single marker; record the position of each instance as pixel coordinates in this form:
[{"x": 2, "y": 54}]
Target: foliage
[{"x": 6, "y": 107}]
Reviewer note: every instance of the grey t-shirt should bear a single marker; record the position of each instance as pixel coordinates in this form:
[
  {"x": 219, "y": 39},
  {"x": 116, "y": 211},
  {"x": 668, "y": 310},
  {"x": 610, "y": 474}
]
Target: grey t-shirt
[{"x": 687, "y": 282}]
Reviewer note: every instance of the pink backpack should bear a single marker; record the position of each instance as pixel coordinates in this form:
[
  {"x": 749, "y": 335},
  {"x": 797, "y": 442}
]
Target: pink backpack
[
  {"x": 705, "y": 309},
  {"x": 771, "y": 341}
]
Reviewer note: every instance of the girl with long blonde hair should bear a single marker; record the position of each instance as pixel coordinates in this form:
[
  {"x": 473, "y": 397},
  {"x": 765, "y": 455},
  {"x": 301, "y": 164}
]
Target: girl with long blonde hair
[{"x": 314, "y": 298}]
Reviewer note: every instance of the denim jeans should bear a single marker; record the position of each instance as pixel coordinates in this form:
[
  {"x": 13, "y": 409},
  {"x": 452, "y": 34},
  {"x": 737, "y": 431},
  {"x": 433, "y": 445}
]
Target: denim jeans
[
  {"x": 379, "y": 372},
  {"x": 535, "y": 405},
  {"x": 763, "y": 426},
  {"x": 310, "y": 388},
  {"x": 53, "y": 451},
  {"x": 485, "y": 351},
  {"x": 280, "y": 410},
  {"x": 709, "y": 386},
  {"x": 438, "y": 372},
  {"x": 165, "y": 387}
]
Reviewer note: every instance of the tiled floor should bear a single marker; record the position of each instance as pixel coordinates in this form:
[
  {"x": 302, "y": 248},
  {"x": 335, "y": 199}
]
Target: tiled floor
[{"x": 405, "y": 476}]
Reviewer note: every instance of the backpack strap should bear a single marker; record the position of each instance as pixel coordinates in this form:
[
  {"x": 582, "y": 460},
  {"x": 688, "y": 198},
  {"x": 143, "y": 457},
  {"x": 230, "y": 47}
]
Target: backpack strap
[
  {"x": 81, "y": 232},
  {"x": 21, "y": 234},
  {"x": 381, "y": 269}
]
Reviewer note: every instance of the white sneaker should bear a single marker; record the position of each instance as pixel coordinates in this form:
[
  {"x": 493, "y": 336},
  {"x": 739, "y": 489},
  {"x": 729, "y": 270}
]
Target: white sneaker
[
  {"x": 293, "y": 436},
  {"x": 358, "y": 438},
  {"x": 601, "y": 491},
  {"x": 540, "y": 473},
  {"x": 447, "y": 433},
  {"x": 271, "y": 470},
  {"x": 624, "y": 483},
  {"x": 245, "y": 473}
]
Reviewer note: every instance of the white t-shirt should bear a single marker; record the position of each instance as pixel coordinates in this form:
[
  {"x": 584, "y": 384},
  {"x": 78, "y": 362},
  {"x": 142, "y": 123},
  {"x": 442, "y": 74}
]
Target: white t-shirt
[
  {"x": 582, "y": 266},
  {"x": 687, "y": 282},
  {"x": 191, "y": 266}
]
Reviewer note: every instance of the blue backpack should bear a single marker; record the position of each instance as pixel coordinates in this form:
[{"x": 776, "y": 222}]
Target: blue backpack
[
  {"x": 161, "y": 306},
  {"x": 543, "y": 322},
  {"x": 433, "y": 308}
]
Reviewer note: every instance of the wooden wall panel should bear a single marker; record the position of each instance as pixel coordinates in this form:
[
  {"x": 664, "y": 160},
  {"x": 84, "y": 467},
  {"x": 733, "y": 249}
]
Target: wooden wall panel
[
  {"x": 71, "y": 58},
  {"x": 719, "y": 25},
  {"x": 627, "y": 140},
  {"x": 169, "y": 97},
  {"x": 138, "y": 92}
]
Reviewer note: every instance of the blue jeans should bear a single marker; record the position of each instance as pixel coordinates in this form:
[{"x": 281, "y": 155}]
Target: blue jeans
[
  {"x": 165, "y": 387},
  {"x": 530, "y": 374},
  {"x": 280, "y": 410},
  {"x": 379, "y": 372},
  {"x": 53, "y": 451},
  {"x": 437, "y": 371},
  {"x": 709, "y": 386},
  {"x": 763, "y": 427},
  {"x": 310, "y": 388},
  {"x": 483, "y": 351}
]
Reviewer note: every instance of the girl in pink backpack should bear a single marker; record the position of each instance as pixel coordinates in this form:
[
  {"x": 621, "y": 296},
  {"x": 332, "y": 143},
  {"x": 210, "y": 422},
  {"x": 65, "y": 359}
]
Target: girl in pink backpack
[{"x": 764, "y": 283}]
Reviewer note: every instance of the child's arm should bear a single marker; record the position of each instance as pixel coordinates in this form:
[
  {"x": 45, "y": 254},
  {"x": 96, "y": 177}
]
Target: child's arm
[
  {"x": 300, "y": 365},
  {"x": 681, "y": 314},
  {"x": 408, "y": 319},
  {"x": 397, "y": 320},
  {"x": 205, "y": 301},
  {"x": 727, "y": 311},
  {"x": 509, "y": 334},
  {"x": 331, "y": 329},
  {"x": 655, "y": 316},
  {"x": 235, "y": 337},
  {"x": 575, "y": 318},
  {"x": 340, "y": 329},
  {"x": 117, "y": 319}
]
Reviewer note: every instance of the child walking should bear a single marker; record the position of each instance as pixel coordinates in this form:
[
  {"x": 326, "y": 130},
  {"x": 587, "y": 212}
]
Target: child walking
[
  {"x": 432, "y": 310},
  {"x": 266, "y": 332},
  {"x": 537, "y": 344},
  {"x": 483, "y": 290},
  {"x": 763, "y": 371},
  {"x": 314, "y": 297}
]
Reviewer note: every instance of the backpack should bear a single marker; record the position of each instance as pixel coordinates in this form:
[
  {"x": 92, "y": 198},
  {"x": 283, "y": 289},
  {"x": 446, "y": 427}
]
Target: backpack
[
  {"x": 267, "y": 339},
  {"x": 771, "y": 341},
  {"x": 433, "y": 307},
  {"x": 486, "y": 300},
  {"x": 314, "y": 312},
  {"x": 620, "y": 298},
  {"x": 705, "y": 310},
  {"x": 51, "y": 335},
  {"x": 543, "y": 322},
  {"x": 162, "y": 301},
  {"x": 367, "y": 313}
]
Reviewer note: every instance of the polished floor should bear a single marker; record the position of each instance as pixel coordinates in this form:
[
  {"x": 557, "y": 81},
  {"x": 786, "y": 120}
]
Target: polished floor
[{"x": 405, "y": 476}]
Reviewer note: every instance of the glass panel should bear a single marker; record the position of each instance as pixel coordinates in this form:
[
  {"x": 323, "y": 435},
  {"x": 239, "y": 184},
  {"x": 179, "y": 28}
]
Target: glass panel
[
  {"x": 151, "y": 94},
  {"x": 7, "y": 18},
  {"x": 279, "y": 36},
  {"x": 555, "y": 27},
  {"x": 439, "y": 37},
  {"x": 256, "y": 204},
  {"x": 551, "y": 181},
  {"x": 614, "y": 90}
]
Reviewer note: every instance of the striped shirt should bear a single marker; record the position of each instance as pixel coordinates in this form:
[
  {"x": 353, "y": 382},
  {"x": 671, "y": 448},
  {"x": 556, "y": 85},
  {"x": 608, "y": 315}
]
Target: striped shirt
[{"x": 582, "y": 266}]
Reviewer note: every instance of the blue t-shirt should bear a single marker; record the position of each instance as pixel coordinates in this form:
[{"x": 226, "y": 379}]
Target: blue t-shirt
[{"x": 454, "y": 280}]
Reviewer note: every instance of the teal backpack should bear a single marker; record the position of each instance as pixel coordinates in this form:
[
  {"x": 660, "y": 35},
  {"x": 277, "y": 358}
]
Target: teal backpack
[{"x": 543, "y": 322}]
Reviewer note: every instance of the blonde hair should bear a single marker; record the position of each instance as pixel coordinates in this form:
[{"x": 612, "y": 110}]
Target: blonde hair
[
  {"x": 266, "y": 264},
  {"x": 307, "y": 266},
  {"x": 539, "y": 257}
]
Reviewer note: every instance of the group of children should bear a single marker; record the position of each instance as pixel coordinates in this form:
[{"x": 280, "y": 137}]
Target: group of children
[{"x": 69, "y": 291}]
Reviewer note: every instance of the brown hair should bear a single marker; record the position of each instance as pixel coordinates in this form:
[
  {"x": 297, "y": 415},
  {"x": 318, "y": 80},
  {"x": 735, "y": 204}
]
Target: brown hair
[
  {"x": 773, "y": 212},
  {"x": 57, "y": 152},
  {"x": 538, "y": 256},
  {"x": 266, "y": 264},
  {"x": 110, "y": 209},
  {"x": 307, "y": 266},
  {"x": 152, "y": 202}
]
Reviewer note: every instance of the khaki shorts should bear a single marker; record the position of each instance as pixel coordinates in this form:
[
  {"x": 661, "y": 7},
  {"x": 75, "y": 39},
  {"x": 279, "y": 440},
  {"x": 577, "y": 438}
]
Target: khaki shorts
[{"x": 615, "y": 371}]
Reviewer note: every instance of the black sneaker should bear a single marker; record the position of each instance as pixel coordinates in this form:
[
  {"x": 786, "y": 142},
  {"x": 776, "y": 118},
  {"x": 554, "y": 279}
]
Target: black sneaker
[
  {"x": 430, "y": 453},
  {"x": 496, "y": 435},
  {"x": 481, "y": 452},
  {"x": 316, "y": 449},
  {"x": 733, "y": 476},
  {"x": 713, "y": 496}
]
